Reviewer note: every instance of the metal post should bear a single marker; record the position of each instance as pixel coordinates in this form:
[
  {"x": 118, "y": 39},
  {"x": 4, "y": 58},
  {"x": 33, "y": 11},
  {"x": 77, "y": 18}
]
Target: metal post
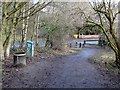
[{"x": 80, "y": 45}]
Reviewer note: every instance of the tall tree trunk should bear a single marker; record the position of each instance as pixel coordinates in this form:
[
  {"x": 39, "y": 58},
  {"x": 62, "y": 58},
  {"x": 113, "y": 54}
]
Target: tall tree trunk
[
  {"x": 119, "y": 32},
  {"x": 14, "y": 38},
  {"x": 37, "y": 28},
  {"x": 4, "y": 24},
  {"x": 1, "y": 30},
  {"x": 27, "y": 22},
  {"x": 9, "y": 38},
  {"x": 33, "y": 29},
  {"x": 119, "y": 23},
  {"x": 25, "y": 28}
]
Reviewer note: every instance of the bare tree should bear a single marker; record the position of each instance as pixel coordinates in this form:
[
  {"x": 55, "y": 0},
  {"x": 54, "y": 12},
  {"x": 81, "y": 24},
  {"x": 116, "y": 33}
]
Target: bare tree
[
  {"x": 106, "y": 20},
  {"x": 16, "y": 18},
  {"x": 1, "y": 46}
]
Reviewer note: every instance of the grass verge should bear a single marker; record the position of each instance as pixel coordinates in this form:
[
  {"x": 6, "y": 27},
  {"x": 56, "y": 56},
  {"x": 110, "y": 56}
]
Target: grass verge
[{"x": 104, "y": 62}]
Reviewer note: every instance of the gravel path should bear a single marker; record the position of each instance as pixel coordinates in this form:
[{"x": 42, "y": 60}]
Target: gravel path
[{"x": 73, "y": 71}]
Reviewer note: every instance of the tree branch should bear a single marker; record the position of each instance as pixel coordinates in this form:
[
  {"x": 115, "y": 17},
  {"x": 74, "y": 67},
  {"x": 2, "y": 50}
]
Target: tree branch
[
  {"x": 16, "y": 9},
  {"x": 34, "y": 12}
]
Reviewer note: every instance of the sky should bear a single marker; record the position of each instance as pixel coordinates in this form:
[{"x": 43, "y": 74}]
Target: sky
[
  {"x": 80, "y": 0},
  {"x": 55, "y": 0},
  {"x": 75, "y": 0}
]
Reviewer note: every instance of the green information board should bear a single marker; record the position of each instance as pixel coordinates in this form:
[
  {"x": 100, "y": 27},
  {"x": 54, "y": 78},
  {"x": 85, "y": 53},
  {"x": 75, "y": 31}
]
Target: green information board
[{"x": 30, "y": 49}]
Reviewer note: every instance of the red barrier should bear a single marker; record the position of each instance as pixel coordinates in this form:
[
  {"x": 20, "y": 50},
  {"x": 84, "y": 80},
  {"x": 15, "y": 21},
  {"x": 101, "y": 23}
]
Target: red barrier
[{"x": 88, "y": 36}]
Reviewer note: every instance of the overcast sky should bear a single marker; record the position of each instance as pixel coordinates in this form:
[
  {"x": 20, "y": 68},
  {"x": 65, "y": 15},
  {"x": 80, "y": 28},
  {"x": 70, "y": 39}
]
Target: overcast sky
[
  {"x": 80, "y": 0},
  {"x": 76, "y": 0}
]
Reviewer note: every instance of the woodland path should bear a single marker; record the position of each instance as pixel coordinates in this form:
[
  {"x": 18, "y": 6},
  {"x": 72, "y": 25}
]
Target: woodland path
[{"x": 72, "y": 71}]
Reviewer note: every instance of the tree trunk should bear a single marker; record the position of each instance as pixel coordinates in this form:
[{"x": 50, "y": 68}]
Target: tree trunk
[
  {"x": 23, "y": 31},
  {"x": 37, "y": 38},
  {"x": 34, "y": 28},
  {"x": 1, "y": 44},
  {"x": 117, "y": 61},
  {"x": 118, "y": 31},
  {"x": 25, "y": 28},
  {"x": 14, "y": 38},
  {"x": 47, "y": 44},
  {"x": 1, "y": 48},
  {"x": 9, "y": 38},
  {"x": 27, "y": 23},
  {"x": 4, "y": 26},
  {"x": 37, "y": 27},
  {"x": 7, "y": 48}
]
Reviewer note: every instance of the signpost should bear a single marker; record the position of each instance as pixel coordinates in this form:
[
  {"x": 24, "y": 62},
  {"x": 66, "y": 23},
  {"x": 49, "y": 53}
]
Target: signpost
[{"x": 30, "y": 49}]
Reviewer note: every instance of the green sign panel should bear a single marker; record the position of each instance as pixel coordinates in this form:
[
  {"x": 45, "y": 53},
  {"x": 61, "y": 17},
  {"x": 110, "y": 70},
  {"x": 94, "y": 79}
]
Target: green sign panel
[{"x": 30, "y": 49}]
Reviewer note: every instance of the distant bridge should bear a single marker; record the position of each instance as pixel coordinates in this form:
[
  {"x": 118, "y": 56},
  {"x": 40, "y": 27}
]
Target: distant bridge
[
  {"x": 83, "y": 40},
  {"x": 88, "y": 36},
  {"x": 89, "y": 39},
  {"x": 91, "y": 42}
]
